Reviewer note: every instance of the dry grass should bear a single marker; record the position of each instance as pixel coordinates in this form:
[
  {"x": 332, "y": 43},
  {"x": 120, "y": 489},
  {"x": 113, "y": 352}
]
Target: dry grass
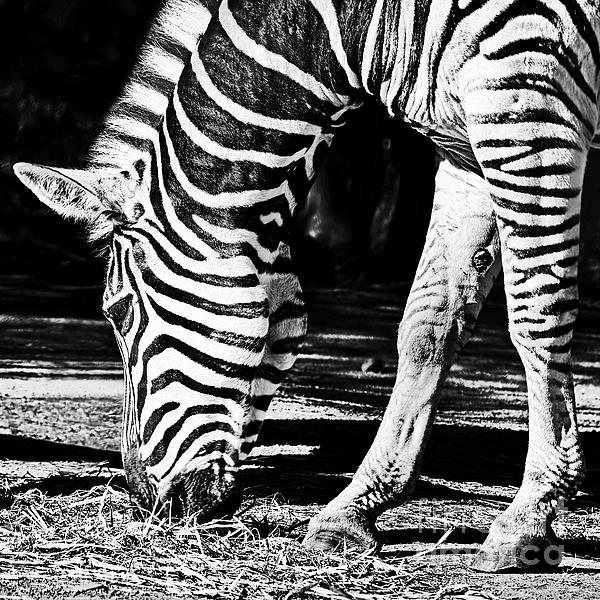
[{"x": 94, "y": 539}]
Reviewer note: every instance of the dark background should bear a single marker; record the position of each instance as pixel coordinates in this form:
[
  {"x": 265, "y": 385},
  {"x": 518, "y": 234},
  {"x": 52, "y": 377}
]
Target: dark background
[{"x": 62, "y": 64}]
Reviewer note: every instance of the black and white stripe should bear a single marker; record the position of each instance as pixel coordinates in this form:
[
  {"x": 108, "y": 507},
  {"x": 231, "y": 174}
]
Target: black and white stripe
[
  {"x": 217, "y": 314},
  {"x": 212, "y": 145}
]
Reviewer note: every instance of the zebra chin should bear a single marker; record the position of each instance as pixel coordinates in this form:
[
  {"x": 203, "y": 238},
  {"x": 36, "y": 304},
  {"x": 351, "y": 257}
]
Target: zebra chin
[{"x": 208, "y": 489}]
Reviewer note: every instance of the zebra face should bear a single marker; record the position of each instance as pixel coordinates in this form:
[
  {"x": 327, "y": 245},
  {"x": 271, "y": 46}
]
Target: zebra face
[
  {"x": 191, "y": 340},
  {"x": 191, "y": 331}
]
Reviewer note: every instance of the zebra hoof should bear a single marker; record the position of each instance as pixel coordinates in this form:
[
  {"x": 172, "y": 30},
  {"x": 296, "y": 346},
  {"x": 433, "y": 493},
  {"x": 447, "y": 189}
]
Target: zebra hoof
[
  {"x": 529, "y": 553},
  {"x": 343, "y": 532}
]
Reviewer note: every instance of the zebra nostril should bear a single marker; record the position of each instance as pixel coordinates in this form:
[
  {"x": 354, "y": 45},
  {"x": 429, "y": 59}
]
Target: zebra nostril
[
  {"x": 138, "y": 211},
  {"x": 482, "y": 259}
]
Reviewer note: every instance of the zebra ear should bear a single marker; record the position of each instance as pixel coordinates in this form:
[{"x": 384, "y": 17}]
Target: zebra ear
[{"x": 71, "y": 193}]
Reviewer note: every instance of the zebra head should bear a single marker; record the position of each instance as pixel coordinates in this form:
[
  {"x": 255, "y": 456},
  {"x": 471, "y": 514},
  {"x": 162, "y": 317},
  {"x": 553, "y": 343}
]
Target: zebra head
[{"x": 191, "y": 329}]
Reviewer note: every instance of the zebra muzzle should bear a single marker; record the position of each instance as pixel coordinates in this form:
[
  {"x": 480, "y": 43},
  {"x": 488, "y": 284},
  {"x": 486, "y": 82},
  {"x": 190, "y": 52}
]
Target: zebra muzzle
[{"x": 208, "y": 492}]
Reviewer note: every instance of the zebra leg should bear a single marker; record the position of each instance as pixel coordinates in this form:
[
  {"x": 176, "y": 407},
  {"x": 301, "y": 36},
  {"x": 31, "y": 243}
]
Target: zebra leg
[
  {"x": 459, "y": 264},
  {"x": 532, "y": 142},
  {"x": 287, "y": 329}
]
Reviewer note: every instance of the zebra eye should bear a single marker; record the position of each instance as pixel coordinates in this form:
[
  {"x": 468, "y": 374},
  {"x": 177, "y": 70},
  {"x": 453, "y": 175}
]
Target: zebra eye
[{"x": 121, "y": 314}]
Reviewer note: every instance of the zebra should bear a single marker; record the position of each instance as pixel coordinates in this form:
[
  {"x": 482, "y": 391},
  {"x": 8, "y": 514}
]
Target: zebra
[{"x": 193, "y": 185}]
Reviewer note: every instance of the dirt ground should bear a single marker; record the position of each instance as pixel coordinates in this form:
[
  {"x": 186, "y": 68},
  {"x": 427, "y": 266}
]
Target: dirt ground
[{"x": 60, "y": 408}]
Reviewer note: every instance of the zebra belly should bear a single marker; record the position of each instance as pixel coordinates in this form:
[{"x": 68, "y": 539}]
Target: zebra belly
[{"x": 451, "y": 142}]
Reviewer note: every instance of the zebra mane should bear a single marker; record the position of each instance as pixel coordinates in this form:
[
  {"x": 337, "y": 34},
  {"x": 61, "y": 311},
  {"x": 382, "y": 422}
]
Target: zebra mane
[
  {"x": 172, "y": 36},
  {"x": 126, "y": 136}
]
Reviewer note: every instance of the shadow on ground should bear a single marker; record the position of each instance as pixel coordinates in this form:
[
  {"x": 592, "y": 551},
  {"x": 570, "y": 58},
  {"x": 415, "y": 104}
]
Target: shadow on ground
[
  {"x": 13, "y": 447},
  {"x": 491, "y": 457},
  {"x": 478, "y": 454},
  {"x": 455, "y": 455}
]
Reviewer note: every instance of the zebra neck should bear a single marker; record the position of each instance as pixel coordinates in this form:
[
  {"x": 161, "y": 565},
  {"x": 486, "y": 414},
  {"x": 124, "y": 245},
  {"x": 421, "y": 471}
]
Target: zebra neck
[
  {"x": 252, "y": 111},
  {"x": 212, "y": 213}
]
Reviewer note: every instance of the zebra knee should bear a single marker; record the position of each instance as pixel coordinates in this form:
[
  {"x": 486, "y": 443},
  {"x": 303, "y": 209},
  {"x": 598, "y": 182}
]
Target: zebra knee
[{"x": 421, "y": 345}]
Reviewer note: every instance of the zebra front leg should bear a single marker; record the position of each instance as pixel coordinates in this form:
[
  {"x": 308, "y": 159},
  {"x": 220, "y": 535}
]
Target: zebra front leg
[
  {"x": 532, "y": 143},
  {"x": 457, "y": 269},
  {"x": 287, "y": 329}
]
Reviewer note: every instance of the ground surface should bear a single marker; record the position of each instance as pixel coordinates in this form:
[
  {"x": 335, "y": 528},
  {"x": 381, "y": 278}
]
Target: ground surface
[{"x": 59, "y": 417}]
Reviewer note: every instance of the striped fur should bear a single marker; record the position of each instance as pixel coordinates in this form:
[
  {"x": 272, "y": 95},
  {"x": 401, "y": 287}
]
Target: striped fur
[{"x": 208, "y": 152}]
